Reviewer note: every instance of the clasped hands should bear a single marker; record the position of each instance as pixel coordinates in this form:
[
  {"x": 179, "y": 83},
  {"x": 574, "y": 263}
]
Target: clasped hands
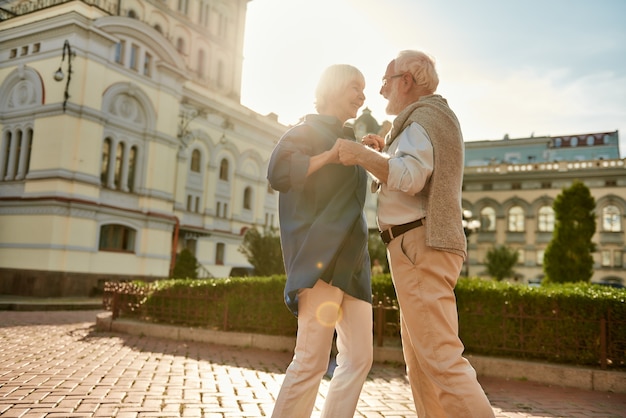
[{"x": 349, "y": 152}]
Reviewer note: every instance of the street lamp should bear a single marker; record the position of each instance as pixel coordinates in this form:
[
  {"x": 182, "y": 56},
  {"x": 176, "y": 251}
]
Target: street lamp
[
  {"x": 58, "y": 75},
  {"x": 470, "y": 225}
]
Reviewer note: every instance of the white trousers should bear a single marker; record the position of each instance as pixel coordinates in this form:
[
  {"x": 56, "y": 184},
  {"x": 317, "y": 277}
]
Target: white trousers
[{"x": 322, "y": 310}]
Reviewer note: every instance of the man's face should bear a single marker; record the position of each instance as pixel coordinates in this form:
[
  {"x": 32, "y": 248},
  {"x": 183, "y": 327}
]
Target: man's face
[{"x": 389, "y": 89}]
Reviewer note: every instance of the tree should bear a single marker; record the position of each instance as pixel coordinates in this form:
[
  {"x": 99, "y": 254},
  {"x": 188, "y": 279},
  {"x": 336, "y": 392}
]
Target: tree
[
  {"x": 568, "y": 256},
  {"x": 263, "y": 251},
  {"x": 186, "y": 265},
  {"x": 500, "y": 261}
]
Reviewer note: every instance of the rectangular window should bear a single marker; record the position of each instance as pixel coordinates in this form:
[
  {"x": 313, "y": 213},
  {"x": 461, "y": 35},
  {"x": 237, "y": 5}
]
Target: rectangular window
[
  {"x": 147, "y": 65},
  {"x": 606, "y": 258},
  {"x": 516, "y": 186},
  {"x": 540, "y": 257},
  {"x": 119, "y": 52},
  {"x": 219, "y": 254},
  {"x": 618, "y": 258},
  {"x": 487, "y": 186},
  {"x": 36, "y": 47},
  {"x": 204, "y": 16},
  {"x": 546, "y": 185},
  {"x": 25, "y": 50},
  {"x": 189, "y": 198},
  {"x": 134, "y": 57},
  {"x": 13, "y": 53},
  {"x": 117, "y": 238}
]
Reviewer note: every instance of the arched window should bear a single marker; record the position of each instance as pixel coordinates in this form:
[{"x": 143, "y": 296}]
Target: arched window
[
  {"x": 224, "y": 169},
  {"x": 21, "y": 92},
  {"x": 106, "y": 155},
  {"x": 546, "y": 219},
  {"x": 487, "y": 219},
  {"x": 16, "y": 150},
  {"x": 115, "y": 237},
  {"x": 247, "y": 198},
  {"x": 6, "y": 153},
  {"x": 132, "y": 167},
  {"x": 516, "y": 219},
  {"x": 219, "y": 254},
  {"x": 611, "y": 219},
  {"x": 119, "y": 161},
  {"x": 195, "y": 161}
]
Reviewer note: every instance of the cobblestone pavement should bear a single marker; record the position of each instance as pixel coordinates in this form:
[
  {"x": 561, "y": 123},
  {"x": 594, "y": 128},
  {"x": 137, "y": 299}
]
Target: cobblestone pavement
[{"x": 55, "y": 364}]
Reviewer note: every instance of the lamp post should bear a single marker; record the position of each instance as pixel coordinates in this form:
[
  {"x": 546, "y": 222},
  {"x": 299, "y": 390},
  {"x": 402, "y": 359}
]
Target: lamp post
[
  {"x": 470, "y": 225},
  {"x": 58, "y": 75}
]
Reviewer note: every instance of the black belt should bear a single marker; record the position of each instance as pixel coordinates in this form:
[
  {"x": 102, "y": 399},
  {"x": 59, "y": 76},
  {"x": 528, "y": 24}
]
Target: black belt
[{"x": 388, "y": 234}]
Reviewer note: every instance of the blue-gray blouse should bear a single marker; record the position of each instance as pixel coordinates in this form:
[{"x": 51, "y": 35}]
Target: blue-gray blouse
[{"x": 322, "y": 225}]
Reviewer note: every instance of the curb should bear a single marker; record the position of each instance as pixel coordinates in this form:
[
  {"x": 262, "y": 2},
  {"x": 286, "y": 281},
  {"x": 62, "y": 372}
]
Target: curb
[
  {"x": 546, "y": 373},
  {"x": 50, "y": 306}
]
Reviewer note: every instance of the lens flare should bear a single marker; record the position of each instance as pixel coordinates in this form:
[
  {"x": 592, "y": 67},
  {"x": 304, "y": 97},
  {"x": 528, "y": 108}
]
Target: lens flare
[{"x": 328, "y": 314}]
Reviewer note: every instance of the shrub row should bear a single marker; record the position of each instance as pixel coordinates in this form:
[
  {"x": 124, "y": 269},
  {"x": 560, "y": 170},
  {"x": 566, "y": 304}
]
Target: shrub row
[{"x": 573, "y": 323}]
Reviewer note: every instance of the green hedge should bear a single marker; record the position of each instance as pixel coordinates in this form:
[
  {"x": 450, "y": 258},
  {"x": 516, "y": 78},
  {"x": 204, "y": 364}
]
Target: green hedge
[{"x": 557, "y": 323}]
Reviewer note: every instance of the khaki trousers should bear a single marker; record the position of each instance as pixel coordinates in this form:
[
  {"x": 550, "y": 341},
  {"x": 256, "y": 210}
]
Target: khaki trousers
[
  {"x": 442, "y": 381},
  {"x": 321, "y": 310}
]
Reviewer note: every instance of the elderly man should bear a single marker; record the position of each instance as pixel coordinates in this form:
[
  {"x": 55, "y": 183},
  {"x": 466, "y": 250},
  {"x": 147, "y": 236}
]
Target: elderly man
[{"x": 419, "y": 170}]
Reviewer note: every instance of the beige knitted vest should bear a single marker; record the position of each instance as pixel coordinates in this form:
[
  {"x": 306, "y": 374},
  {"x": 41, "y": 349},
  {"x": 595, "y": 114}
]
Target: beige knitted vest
[{"x": 442, "y": 193}]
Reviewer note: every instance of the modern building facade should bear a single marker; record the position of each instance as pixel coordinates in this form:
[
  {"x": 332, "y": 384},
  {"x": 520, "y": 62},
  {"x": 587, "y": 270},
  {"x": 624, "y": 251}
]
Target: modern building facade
[{"x": 124, "y": 141}]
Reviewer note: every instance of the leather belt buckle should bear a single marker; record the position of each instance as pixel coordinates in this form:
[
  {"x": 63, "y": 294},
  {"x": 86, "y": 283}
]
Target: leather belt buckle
[{"x": 392, "y": 232}]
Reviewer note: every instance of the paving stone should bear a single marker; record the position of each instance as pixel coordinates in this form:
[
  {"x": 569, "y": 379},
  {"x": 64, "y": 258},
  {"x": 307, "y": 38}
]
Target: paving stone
[{"x": 80, "y": 372}]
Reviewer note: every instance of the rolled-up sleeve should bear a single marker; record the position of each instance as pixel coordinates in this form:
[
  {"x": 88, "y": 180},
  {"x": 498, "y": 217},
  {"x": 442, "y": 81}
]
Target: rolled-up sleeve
[
  {"x": 288, "y": 166},
  {"x": 411, "y": 163}
]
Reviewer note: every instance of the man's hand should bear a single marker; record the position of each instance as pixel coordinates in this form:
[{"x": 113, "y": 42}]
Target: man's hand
[
  {"x": 374, "y": 141},
  {"x": 353, "y": 153}
]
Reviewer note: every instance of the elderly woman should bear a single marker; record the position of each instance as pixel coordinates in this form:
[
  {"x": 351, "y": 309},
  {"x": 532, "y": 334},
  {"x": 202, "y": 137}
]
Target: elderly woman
[{"x": 324, "y": 240}]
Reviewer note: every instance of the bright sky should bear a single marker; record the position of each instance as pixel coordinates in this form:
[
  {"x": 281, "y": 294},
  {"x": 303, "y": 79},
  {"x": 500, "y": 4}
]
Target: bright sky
[{"x": 517, "y": 67}]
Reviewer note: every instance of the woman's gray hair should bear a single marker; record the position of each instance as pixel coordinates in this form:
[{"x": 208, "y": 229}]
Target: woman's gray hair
[
  {"x": 332, "y": 80},
  {"x": 421, "y": 66}
]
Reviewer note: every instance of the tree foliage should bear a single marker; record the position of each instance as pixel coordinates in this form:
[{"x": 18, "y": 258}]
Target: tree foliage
[
  {"x": 186, "y": 265},
  {"x": 263, "y": 251},
  {"x": 500, "y": 261},
  {"x": 377, "y": 250},
  {"x": 568, "y": 256}
]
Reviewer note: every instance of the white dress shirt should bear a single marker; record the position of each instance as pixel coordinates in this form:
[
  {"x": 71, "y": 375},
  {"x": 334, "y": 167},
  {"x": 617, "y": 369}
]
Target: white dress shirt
[{"x": 410, "y": 167}]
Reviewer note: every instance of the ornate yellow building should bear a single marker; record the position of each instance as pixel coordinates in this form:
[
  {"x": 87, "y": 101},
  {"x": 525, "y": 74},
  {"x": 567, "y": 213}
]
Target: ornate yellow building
[{"x": 124, "y": 140}]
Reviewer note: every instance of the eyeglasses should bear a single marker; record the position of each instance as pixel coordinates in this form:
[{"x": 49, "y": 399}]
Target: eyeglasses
[
  {"x": 386, "y": 79},
  {"x": 391, "y": 77}
]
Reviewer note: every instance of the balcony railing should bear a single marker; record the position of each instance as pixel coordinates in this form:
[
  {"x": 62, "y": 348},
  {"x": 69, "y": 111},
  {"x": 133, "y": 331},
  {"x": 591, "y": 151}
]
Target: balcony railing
[{"x": 25, "y": 7}]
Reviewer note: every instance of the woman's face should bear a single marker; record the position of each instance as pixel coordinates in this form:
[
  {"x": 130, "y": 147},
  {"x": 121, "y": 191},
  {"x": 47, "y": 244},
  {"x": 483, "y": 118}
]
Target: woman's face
[{"x": 347, "y": 101}]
